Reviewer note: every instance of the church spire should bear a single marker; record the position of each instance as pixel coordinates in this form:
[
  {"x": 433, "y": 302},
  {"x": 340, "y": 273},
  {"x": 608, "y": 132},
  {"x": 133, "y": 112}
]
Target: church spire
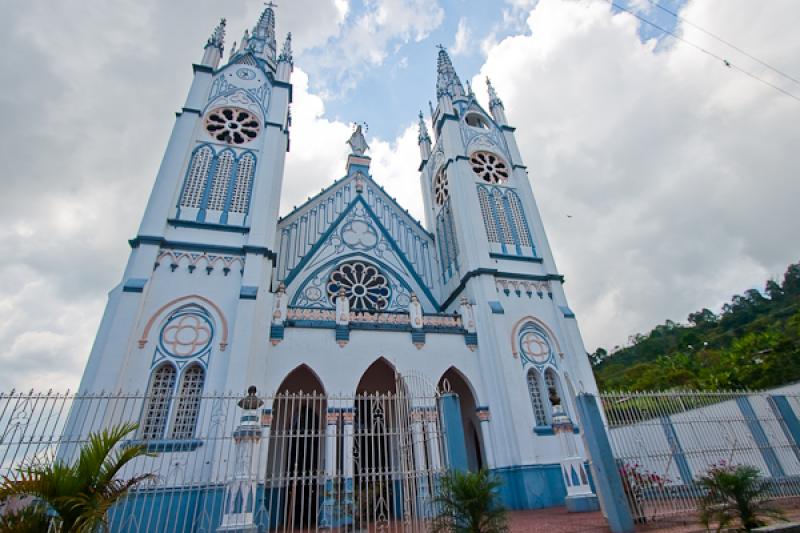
[
  {"x": 495, "y": 104},
  {"x": 424, "y": 139},
  {"x": 285, "y": 61},
  {"x": 262, "y": 41},
  {"x": 447, "y": 81},
  {"x": 214, "y": 46}
]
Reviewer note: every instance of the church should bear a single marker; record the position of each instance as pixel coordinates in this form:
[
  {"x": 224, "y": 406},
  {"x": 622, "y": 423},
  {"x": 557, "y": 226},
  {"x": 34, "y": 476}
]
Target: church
[{"x": 346, "y": 294}]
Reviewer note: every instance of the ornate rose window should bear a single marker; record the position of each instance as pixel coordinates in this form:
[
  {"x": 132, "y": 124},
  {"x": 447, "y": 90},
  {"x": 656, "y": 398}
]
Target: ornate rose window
[
  {"x": 232, "y": 125},
  {"x": 440, "y": 188},
  {"x": 364, "y": 286},
  {"x": 489, "y": 167}
]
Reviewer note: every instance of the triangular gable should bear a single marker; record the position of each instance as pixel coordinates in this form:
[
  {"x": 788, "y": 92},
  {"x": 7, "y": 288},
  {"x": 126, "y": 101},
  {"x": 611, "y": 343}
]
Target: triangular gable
[
  {"x": 357, "y": 234},
  {"x": 306, "y": 225}
]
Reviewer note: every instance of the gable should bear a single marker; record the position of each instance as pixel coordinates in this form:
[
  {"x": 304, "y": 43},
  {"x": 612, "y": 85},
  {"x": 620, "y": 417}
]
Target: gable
[
  {"x": 306, "y": 226},
  {"x": 357, "y": 235}
]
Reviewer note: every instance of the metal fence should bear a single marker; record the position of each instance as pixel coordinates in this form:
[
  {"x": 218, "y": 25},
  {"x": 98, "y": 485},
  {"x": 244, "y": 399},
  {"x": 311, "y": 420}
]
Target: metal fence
[
  {"x": 663, "y": 442},
  {"x": 288, "y": 462}
]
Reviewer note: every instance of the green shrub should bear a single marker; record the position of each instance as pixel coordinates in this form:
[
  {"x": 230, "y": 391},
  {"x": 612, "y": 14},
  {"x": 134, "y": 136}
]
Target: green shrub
[{"x": 468, "y": 502}]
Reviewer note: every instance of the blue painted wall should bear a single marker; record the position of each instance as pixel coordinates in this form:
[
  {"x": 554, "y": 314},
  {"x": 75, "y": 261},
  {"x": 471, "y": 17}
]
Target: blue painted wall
[{"x": 531, "y": 486}]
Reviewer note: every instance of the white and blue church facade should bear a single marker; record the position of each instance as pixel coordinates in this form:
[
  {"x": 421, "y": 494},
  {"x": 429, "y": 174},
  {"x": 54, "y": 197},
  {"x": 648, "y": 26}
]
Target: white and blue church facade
[{"x": 220, "y": 293}]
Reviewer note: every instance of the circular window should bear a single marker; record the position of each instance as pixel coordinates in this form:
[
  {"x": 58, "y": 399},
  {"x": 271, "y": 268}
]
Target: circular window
[
  {"x": 187, "y": 333},
  {"x": 489, "y": 167},
  {"x": 440, "y": 188},
  {"x": 535, "y": 346},
  {"x": 232, "y": 125},
  {"x": 364, "y": 286}
]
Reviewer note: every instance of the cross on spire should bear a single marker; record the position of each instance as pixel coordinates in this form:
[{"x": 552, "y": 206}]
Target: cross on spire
[{"x": 270, "y": 4}]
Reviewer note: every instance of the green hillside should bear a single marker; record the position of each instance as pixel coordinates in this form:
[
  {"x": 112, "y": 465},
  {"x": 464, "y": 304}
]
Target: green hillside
[{"x": 753, "y": 343}]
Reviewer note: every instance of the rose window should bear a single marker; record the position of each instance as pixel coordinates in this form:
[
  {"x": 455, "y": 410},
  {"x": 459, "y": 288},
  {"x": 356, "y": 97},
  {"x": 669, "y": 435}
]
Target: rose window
[
  {"x": 440, "y": 188},
  {"x": 364, "y": 286},
  {"x": 489, "y": 167},
  {"x": 232, "y": 125}
]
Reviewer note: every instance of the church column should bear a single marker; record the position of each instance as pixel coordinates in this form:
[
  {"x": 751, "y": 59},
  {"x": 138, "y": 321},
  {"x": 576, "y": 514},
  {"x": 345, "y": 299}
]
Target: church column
[
  {"x": 348, "y": 417},
  {"x": 433, "y": 437},
  {"x": 328, "y": 514},
  {"x": 241, "y": 491},
  {"x": 580, "y": 497},
  {"x": 484, "y": 416}
]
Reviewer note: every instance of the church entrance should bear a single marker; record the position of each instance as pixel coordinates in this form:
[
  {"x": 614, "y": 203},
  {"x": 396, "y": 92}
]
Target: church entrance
[
  {"x": 295, "y": 451},
  {"x": 454, "y": 381}
]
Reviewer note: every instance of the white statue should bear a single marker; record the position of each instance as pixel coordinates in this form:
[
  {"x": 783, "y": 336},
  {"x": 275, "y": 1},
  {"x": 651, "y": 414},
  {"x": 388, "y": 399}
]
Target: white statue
[
  {"x": 415, "y": 312},
  {"x": 342, "y": 309},
  {"x": 358, "y": 144},
  {"x": 467, "y": 315},
  {"x": 281, "y": 303}
]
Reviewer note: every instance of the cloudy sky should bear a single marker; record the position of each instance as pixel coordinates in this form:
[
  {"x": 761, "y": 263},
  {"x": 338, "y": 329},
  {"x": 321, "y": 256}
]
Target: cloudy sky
[{"x": 680, "y": 174}]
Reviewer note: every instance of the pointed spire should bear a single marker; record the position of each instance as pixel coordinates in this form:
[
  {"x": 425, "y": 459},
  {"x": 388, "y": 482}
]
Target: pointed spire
[
  {"x": 286, "y": 53},
  {"x": 217, "y": 38},
  {"x": 447, "y": 81},
  {"x": 233, "y": 51},
  {"x": 424, "y": 139},
  {"x": 495, "y": 104},
  {"x": 423, "y": 129},
  {"x": 262, "y": 41},
  {"x": 493, "y": 98},
  {"x": 469, "y": 89},
  {"x": 265, "y": 27}
]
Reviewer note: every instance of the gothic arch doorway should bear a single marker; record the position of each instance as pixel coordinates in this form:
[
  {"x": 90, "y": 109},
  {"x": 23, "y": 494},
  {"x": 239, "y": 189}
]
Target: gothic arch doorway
[
  {"x": 459, "y": 384},
  {"x": 296, "y": 448},
  {"x": 376, "y": 446}
]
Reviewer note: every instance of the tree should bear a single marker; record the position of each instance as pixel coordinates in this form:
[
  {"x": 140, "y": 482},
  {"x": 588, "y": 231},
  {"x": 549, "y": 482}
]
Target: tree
[
  {"x": 702, "y": 318},
  {"x": 468, "y": 502},
  {"x": 78, "y": 495},
  {"x": 598, "y": 356}
]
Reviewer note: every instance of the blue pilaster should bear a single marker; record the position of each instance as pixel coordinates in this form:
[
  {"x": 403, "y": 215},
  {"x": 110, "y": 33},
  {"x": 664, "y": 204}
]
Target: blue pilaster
[
  {"x": 774, "y": 466},
  {"x": 677, "y": 450},
  {"x": 453, "y": 432},
  {"x": 789, "y": 422},
  {"x": 603, "y": 465}
]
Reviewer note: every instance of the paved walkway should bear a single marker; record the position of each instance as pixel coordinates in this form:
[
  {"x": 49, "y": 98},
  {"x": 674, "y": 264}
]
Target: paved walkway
[{"x": 558, "y": 520}]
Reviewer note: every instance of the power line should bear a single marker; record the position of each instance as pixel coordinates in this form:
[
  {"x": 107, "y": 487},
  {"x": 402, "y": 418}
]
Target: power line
[
  {"x": 720, "y": 39},
  {"x": 700, "y": 48}
]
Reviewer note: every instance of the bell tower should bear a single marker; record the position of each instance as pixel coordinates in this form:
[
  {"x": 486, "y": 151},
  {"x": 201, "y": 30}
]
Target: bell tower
[{"x": 494, "y": 253}]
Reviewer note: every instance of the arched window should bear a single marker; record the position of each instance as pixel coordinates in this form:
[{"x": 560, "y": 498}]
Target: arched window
[
  {"x": 241, "y": 190},
  {"x": 196, "y": 177},
  {"x": 188, "y": 402},
  {"x": 552, "y": 382},
  {"x": 159, "y": 398},
  {"x": 222, "y": 178},
  {"x": 535, "y": 392},
  {"x": 504, "y": 220}
]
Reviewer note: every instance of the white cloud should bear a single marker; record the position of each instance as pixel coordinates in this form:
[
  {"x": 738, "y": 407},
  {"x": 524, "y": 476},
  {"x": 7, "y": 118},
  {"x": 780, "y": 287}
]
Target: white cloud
[
  {"x": 463, "y": 38},
  {"x": 367, "y": 38},
  {"x": 680, "y": 174}
]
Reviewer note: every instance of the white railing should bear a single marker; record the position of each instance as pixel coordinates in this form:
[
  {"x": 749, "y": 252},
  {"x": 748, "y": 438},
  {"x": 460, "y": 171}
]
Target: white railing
[
  {"x": 290, "y": 461},
  {"x": 664, "y": 441}
]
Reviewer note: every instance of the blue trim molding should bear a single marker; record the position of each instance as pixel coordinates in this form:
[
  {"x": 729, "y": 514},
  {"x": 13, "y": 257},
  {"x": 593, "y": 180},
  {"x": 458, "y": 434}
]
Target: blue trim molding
[
  {"x": 248, "y": 292},
  {"x": 677, "y": 450},
  {"x": 789, "y": 422},
  {"x": 166, "y": 445},
  {"x": 496, "y": 307},
  {"x": 566, "y": 311},
  {"x": 177, "y": 223},
  {"x": 509, "y": 257},
  {"x": 134, "y": 285}
]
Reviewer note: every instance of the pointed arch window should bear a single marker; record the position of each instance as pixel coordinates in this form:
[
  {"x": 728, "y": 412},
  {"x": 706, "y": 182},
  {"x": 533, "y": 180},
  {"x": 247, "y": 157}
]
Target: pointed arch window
[
  {"x": 504, "y": 220},
  {"x": 187, "y": 408},
  {"x": 197, "y": 177},
  {"x": 159, "y": 398},
  {"x": 552, "y": 381},
  {"x": 217, "y": 185},
  {"x": 535, "y": 393}
]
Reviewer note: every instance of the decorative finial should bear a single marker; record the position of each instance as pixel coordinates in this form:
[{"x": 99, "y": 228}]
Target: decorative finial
[
  {"x": 469, "y": 89},
  {"x": 358, "y": 144},
  {"x": 430, "y": 108},
  {"x": 494, "y": 100},
  {"x": 217, "y": 38},
  {"x": 423, "y": 129},
  {"x": 286, "y": 53},
  {"x": 251, "y": 401}
]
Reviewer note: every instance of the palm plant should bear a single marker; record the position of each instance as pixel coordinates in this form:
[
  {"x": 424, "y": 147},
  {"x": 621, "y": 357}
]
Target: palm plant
[
  {"x": 468, "y": 502},
  {"x": 736, "y": 496},
  {"x": 78, "y": 495}
]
